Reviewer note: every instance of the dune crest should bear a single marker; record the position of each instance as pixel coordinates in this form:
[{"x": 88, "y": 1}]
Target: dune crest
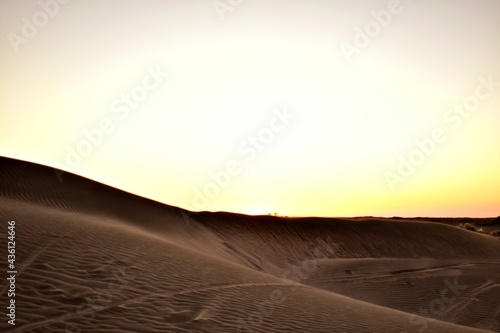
[{"x": 93, "y": 258}]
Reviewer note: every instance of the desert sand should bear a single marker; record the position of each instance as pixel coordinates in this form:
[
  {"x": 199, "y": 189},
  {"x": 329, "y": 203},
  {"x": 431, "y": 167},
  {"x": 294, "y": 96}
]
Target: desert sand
[{"x": 92, "y": 258}]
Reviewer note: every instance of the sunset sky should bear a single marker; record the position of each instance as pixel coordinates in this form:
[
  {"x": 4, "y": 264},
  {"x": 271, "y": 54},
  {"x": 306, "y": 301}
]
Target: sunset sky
[{"x": 301, "y": 107}]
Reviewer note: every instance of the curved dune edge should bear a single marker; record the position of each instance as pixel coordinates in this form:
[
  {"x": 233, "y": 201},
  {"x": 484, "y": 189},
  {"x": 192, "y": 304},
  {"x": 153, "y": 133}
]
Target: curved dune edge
[{"x": 125, "y": 263}]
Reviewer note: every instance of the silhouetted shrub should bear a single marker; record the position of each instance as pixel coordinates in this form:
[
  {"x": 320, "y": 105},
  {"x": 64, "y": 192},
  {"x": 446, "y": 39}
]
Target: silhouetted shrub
[
  {"x": 467, "y": 226},
  {"x": 495, "y": 233}
]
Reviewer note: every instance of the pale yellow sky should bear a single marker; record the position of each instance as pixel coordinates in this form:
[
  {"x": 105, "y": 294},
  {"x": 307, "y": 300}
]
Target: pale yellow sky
[{"x": 327, "y": 108}]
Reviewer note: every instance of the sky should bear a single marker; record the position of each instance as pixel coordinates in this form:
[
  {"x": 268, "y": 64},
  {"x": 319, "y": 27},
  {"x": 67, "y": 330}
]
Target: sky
[{"x": 301, "y": 107}]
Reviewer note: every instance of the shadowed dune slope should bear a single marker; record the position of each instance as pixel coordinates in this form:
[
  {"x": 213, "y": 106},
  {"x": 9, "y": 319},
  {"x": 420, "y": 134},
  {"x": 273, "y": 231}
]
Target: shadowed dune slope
[
  {"x": 80, "y": 273},
  {"x": 350, "y": 238},
  {"x": 92, "y": 258},
  {"x": 283, "y": 239}
]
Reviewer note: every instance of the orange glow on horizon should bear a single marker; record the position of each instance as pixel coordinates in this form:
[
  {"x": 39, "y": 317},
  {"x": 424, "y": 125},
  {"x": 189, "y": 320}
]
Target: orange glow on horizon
[{"x": 266, "y": 109}]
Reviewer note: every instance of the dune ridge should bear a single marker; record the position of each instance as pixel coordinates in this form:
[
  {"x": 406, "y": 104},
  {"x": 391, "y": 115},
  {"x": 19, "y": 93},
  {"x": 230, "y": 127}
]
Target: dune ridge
[{"x": 179, "y": 271}]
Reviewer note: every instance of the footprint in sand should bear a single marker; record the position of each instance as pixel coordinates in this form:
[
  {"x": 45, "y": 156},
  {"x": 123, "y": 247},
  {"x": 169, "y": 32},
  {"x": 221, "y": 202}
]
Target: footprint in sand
[{"x": 184, "y": 316}]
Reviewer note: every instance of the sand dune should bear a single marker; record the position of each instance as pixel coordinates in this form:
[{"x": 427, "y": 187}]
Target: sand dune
[{"x": 92, "y": 258}]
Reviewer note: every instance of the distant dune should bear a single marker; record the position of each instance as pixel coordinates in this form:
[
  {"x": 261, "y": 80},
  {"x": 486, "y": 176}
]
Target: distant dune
[{"x": 92, "y": 258}]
